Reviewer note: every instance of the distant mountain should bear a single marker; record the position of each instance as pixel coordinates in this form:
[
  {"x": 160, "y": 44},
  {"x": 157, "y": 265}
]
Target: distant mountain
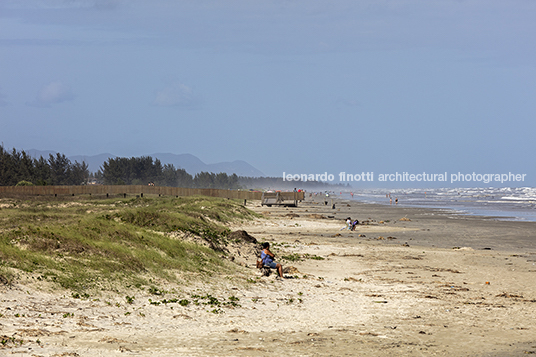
[
  {"x": 241, "y": 168},
  {"x": 190, "y": 163},
  {"x": 194, "y": 165},
  {"x": 36, "y": 154},
  {"x": 95, "y": 162}
]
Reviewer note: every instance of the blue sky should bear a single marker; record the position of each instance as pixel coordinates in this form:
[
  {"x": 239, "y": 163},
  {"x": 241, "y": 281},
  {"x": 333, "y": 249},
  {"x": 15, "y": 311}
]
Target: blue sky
[{"x": 288, "y": 86}]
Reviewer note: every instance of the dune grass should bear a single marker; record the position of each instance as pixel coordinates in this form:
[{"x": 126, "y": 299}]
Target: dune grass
[{"x": 95, "y": 244}]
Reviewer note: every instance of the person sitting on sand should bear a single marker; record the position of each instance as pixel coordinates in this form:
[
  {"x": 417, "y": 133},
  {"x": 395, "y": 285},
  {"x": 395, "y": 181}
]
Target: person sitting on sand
[
  {"x": 354, "y": 223},
  {"x": 267, "y": 258},
  {"x": 348, "y": 224}
]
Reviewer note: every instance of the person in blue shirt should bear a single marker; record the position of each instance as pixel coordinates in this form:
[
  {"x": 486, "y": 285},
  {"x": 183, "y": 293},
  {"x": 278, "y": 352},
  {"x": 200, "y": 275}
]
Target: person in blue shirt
[{"x": 267, "y": 258}]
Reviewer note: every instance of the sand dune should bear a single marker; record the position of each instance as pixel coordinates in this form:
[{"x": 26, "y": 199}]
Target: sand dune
[{"x": 431, "y": 284}]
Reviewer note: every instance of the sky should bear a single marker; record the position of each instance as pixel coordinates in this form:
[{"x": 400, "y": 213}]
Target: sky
[{"x": 289, "y": 86}]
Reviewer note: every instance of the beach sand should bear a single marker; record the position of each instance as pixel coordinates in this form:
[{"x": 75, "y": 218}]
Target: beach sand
[{"x": 407, "y": 282}]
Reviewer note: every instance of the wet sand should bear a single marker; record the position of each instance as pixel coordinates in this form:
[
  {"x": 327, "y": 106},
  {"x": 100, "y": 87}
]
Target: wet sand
[
  {"x": 429, "y": 284},
  {"x": 440, "y": 228}
]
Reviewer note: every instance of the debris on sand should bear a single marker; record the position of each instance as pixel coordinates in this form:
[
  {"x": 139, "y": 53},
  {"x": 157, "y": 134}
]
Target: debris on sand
[
  {"x": 290, "y": 270},
  {"x": 242, "y": 247},
  {"x": 508, "y": 295},
  {"x": 317, "y": 216}
]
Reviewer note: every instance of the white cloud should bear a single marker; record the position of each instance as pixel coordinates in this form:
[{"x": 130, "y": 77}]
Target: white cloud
[
  {"x": 280, "y": 26},
  {"x": 177, "y": 95},
  {"x": 52, "y": 93}
]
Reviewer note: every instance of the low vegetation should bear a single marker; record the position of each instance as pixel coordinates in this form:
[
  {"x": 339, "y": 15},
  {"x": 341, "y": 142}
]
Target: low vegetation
[{"x": 89, "y": 244}]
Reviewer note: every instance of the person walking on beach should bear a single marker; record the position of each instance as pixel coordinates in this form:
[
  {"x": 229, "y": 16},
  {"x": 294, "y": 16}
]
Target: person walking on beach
[{"x": 267, "y": 258}]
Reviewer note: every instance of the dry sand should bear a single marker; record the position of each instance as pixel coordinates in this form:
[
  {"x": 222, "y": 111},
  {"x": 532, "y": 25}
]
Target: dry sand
[{"x": 432, "y": 284}]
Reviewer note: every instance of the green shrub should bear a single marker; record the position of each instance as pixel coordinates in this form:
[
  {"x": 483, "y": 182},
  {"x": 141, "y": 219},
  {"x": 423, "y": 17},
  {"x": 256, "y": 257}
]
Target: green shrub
[{"x": 100, "y": 244}]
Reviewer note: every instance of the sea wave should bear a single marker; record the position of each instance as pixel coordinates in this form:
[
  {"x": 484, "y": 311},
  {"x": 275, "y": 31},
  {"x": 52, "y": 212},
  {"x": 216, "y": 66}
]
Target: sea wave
[{"x": 506, "y": 203}]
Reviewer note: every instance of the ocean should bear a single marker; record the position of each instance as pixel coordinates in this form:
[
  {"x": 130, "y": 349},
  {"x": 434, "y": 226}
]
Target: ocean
[{"x": 507, "y": 203}]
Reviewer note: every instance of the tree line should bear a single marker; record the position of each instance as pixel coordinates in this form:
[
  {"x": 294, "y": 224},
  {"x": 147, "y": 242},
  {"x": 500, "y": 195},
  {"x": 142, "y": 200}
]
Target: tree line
[
  {"x": 19, "y": 168},
  {"x": 144, "y": 170}
]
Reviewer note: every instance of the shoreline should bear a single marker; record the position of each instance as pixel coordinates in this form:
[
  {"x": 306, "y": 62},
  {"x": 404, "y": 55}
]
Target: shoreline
[
  {"x": 476, "y": 231},
  {"x": 511, "y": 205},
  {"x": 344, "y": 294}
]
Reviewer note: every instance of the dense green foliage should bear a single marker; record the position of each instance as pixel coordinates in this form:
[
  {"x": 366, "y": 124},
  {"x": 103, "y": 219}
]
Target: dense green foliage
[
  {"x": 143, "y": 170},
  {"x": 94, "y": 244},
  {"x": 19, "y": 168}
]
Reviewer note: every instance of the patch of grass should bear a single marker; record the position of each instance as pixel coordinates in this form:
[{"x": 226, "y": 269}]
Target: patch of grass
[
  {"x": 206, "y": 299},
  {"x": 156, "y": 303},
  {"x": 312, "y": 256},
  {"x": 155, "y": 291},
  {"x": 294, "y": 257},
  {"x": 10, "y": 341},
  {"x": 6, "y": 276},
  {"x": 130, "y": 299},
  {"x": 76, "y": 295},
  {"x": 105, "y": 244}
]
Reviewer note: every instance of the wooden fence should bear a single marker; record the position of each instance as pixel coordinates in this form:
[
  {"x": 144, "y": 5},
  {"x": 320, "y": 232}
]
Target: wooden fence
[{"x": 113, "y": 190}]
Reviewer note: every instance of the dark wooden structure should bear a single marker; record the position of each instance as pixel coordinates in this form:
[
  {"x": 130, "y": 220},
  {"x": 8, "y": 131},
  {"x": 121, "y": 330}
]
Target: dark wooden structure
[
  {"x": 286, "y": 199},
  {"x": 124, "y": 190}
]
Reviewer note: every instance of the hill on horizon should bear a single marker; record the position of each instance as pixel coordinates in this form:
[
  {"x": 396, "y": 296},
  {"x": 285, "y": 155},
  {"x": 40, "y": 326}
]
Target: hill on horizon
[{"x": 192, "y": 164}]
